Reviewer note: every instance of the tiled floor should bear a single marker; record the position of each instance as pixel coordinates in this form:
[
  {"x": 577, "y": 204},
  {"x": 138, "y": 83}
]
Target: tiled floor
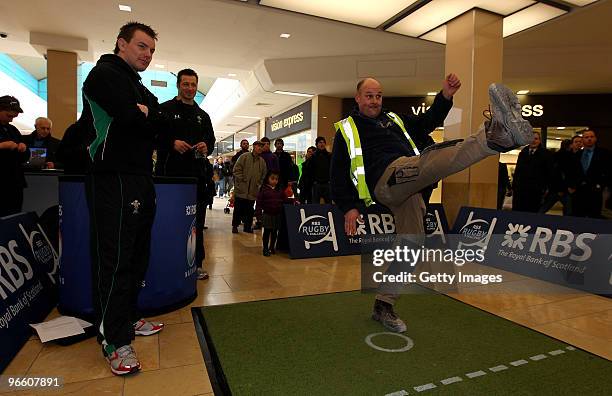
[{"x": 172, "y": 362}]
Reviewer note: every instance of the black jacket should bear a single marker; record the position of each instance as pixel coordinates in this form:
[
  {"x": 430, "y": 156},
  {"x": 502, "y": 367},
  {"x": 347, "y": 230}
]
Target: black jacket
[
  {"x": 72, "y": 150},
  {"x": 533, "y": 172},
  {"x": 124, "y": 135},
  {"x": 319, "y": 166},
  {"x": 382, "y": 142},
  {"x": 599, "y": 173},
  {"x": 11, "y": 168},
  {"x": 285, "y": 163},
  {"x": 236, "y": 156},
  {"x": 191, "y": 124},
  {"x": 50, "y": 143}
]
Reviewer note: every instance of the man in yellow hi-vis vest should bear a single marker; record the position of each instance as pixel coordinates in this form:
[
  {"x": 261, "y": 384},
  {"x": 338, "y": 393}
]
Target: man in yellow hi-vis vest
[{"x": 376, "y": 158}]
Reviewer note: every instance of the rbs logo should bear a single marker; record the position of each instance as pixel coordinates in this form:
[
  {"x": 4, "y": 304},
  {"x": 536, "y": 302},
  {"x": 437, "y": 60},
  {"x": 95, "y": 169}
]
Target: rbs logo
[{"x": 563, "y": 243}]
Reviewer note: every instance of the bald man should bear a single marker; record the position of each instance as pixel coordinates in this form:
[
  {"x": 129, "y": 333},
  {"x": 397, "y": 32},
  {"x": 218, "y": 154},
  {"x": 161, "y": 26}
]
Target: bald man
[
  {"x": 379, "y": 156},
  {"x": 41, "y": 138}
]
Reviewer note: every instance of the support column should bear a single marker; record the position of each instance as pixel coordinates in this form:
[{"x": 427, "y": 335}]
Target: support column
[
  {"x": 61, "y": 90},
  {"x": 474, "y": 51}
]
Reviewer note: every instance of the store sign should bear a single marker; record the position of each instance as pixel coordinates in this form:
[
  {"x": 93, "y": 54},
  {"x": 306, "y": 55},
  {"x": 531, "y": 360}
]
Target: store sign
[{"x": 290, "y": 122}]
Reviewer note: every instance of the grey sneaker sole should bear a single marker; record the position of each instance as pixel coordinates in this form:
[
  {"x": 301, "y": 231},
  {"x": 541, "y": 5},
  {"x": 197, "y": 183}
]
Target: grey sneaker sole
[{"x": 507, "y": 109}]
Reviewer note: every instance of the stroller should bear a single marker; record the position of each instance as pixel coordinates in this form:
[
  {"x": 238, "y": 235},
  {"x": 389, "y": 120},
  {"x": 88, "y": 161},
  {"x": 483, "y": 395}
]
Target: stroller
[{"x": 230, "y": 202}]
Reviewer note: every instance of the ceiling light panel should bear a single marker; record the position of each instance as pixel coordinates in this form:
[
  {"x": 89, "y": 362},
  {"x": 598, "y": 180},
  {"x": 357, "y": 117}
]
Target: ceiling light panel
[
  {"x": 438, "y": 12},
  {"x": 438, "y": 35},
  {"x": 529, "y": 17},
  {"x": 580, "y": 3},
  {"x": 360, "y": 12}
]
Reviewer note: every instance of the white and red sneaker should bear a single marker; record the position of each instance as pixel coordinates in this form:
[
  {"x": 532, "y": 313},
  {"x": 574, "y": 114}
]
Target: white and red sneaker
[
  {"x": 146, "y": 328},
  {"x": 122, "y": 360}
]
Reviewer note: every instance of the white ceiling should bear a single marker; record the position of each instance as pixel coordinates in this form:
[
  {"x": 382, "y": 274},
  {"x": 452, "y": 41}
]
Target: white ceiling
[{"x": 572, "y": 53}]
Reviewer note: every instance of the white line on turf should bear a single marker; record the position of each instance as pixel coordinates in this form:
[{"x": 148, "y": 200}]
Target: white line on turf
[
  {"x": 475, "y": 374},
  {"x": 408, "y": 346},
  {"x": 398, "y": 393},
  {"x": 451, "y": 380},
  {"x": 517, "y": 363},
  {"x": 425, "y": 387}
]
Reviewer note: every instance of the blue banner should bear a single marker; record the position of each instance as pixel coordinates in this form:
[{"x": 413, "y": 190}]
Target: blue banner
[
  {"x": 318, "y": 230},
  {"x": 570, "y": 251},
  {"x": 171, "y": 277},
  {"x": 28, "y": 276}
]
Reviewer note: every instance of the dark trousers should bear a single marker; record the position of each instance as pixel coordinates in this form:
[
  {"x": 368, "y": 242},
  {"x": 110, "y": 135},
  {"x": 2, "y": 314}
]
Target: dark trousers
[
  {"x": 269, "y": 238},
  {"x": 243, "y": 211},
  {"x": 11, "y": 200},
  {"x": 121, "y": 210},
  {"x": 527, "y": 200},
  {"x": 588, "y": 201},
  {"x": 320, "y": 190}
]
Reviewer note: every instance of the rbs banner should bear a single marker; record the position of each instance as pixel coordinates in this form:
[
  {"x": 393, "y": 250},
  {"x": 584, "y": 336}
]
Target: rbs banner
[
  {"x": 318, "y": 230},
  {"x": 28, "y": 275},
  {"x": 569, "y": 251}
]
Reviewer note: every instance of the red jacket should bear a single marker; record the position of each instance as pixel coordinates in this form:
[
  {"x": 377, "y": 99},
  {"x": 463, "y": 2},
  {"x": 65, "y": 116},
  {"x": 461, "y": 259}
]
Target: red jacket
[{"x": 270, "y": 200}]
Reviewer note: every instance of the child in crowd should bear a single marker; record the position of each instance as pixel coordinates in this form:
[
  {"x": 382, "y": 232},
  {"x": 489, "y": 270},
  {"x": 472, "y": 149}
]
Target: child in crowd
[{"x": 270, "y": 202}]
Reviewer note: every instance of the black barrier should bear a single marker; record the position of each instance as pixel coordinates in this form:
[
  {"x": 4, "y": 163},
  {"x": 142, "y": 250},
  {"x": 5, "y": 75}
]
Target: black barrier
[
  {"x": 28, "y": 278},
  {"x": 318, "y": 230},
  {"x": 569, "y": 251}
]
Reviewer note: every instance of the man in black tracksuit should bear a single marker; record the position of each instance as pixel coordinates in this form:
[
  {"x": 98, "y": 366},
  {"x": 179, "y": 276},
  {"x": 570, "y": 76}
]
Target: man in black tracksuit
[
  {"x": 183, "y": 150},
  {"x": 120, "y": 191}
]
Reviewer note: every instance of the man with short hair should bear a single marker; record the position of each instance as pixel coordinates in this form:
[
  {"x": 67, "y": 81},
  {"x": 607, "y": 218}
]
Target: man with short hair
[
  {"x": 249, "y": 173},
  {"x": 592, "y": 176},
  {"x": 285, "y": 164},
  {"x": 13, "y": 154},
  {"x": 318, "y": 168},
  {"x": 576, "y": 143},
  {"x": 305, "y": 183},
  {"x": 375, "y": 159},
  {"x": 268, "y": 156},
  {"x": 244, "y": 148},
  {"x": 532, "y": 177},
  {"x": 183, "y": 150},
  {"x": 41, "y": 138},
  {"x": 120, "y": 191}
]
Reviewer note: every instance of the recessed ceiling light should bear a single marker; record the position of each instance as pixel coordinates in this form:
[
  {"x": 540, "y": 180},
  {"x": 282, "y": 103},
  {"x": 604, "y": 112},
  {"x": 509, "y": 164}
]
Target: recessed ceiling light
[
  {"x": 432, "y": 93},
  {"x": 324, "y": 117},
  {"x": 231, "y": 74},
  {"x": 160, "y": 66},
  {"x": 293, "y": 93},
  {"x": 522, "y": 92},
  {"x": 285, "y": 35},
  {"x": 560, "y": 128},
  {"x": 557, "y": 138},
  {"x": 250, "y": 117},
  {"x": 126, "y": 8}
]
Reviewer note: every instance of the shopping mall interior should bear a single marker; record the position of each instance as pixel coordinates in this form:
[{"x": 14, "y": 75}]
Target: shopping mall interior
[{"x": 263, "y": 62}]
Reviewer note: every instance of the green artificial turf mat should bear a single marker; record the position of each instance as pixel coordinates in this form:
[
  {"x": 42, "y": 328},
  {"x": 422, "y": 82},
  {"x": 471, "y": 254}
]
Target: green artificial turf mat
[{"x": 315, "y": 345}]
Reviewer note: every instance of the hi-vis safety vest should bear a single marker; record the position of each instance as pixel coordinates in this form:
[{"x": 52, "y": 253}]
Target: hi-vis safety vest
[{"x": 351, "y": 136}]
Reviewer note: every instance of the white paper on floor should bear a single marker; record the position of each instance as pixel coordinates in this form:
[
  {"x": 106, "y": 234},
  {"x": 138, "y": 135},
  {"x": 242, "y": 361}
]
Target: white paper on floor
[{"x": 64, "y": 326}]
